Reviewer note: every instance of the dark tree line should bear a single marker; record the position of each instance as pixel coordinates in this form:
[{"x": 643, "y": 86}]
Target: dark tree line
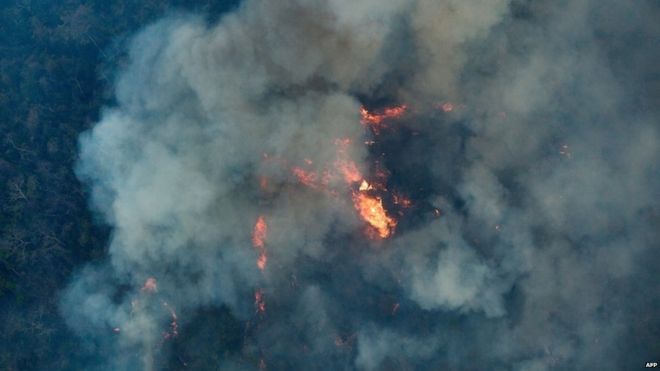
[{"x": 56, "y": 63}]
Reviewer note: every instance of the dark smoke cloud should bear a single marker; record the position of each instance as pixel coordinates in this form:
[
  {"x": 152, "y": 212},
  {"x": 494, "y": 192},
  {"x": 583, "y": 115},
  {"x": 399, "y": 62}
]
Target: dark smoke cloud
[{"x": 545, "y": 174}]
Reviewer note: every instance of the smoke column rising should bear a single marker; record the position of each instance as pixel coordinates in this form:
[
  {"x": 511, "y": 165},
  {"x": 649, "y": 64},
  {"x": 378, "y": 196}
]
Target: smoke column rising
[{"x": 534, "y": 197}]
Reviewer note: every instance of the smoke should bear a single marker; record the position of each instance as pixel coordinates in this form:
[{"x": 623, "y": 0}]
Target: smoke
[{"x": 535, "y": 197}]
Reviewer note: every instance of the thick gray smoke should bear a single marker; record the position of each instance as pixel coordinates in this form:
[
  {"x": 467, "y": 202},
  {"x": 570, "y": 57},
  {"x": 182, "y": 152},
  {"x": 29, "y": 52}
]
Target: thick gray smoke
[{"x": 544, "y": 175}]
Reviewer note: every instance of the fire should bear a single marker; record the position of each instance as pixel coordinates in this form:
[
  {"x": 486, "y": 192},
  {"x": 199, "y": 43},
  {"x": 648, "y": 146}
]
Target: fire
[
  {"x": 345, "y": 165},
  {"x": 261, "y": 261},
  {"x": 370, "y": 208},
  {"x": 307, "y": 178},
  {"x": 367, "y": 196},
  {"x": 259, "y": 301},
  {"x": 447, "y": 107},
  {"x": 260, "y": 232},
  {"x": 349, "y": 170},
  {"x": 150, "y": 285},
  {"x": 395, "y": 111},
  {"x": 364, "y": 186},
  {"x": 375, "y": 120},
  {"x": 372, "y": 211},
  {"x": 149, "y": 291},
  {"x": 174, "y": 326},
  {"x": 258, "y": 241},
  {"x": 402, "y": 201}
]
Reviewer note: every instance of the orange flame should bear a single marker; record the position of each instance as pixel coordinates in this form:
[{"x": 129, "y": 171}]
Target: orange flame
[
  {"x": 258, "y": 241},
  {"x": 364, "y": 186},
  {"x": 376, "y": 119},
  {"x": 370, "y": 208},
  {"x": 365, "y": 195},
  {"x": 372, "y": 211}
]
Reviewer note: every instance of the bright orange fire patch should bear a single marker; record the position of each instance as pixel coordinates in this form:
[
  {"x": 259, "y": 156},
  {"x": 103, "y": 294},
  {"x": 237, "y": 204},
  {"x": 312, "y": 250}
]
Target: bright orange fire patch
[
  {"x": 259, "y": 241},
  {"x": 375, "y": 120},
  {"x": 372, "y": 211}
]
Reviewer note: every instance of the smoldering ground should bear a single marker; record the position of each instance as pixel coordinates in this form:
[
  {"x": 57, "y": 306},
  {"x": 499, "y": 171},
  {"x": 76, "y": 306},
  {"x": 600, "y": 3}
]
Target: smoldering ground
[{"x": 533, "y": 229}]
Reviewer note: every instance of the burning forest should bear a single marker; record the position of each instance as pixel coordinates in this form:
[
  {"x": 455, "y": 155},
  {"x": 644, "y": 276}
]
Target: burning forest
[{"x": 365, "y": 185}]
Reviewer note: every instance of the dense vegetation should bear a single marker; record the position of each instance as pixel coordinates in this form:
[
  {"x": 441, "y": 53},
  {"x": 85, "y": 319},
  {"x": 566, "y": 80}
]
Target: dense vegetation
[{"x": 56, "y": 61}]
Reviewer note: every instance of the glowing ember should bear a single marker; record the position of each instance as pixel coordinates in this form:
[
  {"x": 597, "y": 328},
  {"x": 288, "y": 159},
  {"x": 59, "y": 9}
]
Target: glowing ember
[
  {"x": 258, "y": 241},
  {"x": 372, "y": 211},
  {"x": 174, "y": 326},
  {"x": 375, "y": 120},
  {"x": 148, "y": 292},
  {"x": 349, "y": 170},
  {"x": 259, "y": 301},
  {"x": 447, "y": 107},
  {"x": 150, "y": 285},
  {"x": 307, "y": 178},
  {"x": 402, "y": 201},
  {"x": 261, "y": 261},
  {"x": 396, "y": 111}
]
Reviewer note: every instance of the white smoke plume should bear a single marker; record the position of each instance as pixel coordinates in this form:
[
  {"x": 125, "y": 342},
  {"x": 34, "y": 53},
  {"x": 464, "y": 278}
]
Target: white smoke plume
[{"x": 535, "y": 197}]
